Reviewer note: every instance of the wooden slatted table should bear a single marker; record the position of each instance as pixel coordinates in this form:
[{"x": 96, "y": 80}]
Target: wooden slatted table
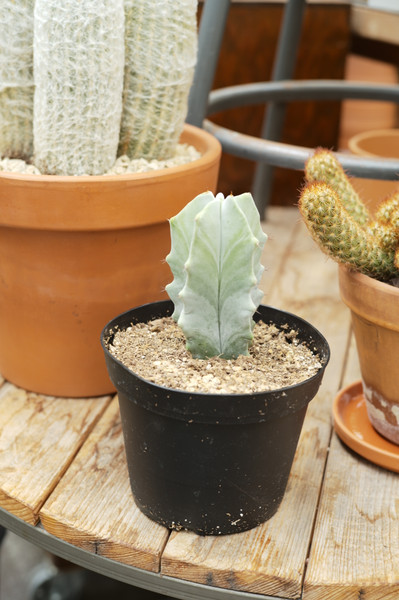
[{"x": 64, "y": 482}]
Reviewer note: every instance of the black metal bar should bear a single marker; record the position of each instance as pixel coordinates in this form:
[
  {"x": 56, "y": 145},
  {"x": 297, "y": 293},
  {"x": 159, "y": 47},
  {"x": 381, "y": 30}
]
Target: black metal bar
[
  {"x": 314, "y": 89},
  {"x": 156, "y": 582},
  {"x": 284, "y": 66},
  {"x": 294, "y": 157},
  {"x": 212, "y": 26}
]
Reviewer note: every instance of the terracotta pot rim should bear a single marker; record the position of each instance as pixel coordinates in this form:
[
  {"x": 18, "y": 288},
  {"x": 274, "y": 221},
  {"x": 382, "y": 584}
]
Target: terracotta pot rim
[
  {"x": 354, "y": 143},
  {"x": 374, "y": 312},
  {"x": 362, "y": 278},
  {"x": 103, "y": 202},
  {"x": 212, "y": 151}
]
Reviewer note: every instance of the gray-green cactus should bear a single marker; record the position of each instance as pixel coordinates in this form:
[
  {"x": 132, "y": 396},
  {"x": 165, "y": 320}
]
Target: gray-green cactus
[
  {"x": 161, "y": 48},
  {"x": 78, "y": 66},
  {"x": 16, "y": 79},
  {"x": 342, "y": 229},
  {"x": 215, "y": 260}
]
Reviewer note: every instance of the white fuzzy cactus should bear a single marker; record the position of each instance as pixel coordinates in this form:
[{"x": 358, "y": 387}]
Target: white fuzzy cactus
[
  {"x": 16, "y": 78},
  {"x": 68, "y": 67},
  {"x": 78, "y": 66},
  {"x": 161, "y": 50},
  {"x": 215, "y": 259}
]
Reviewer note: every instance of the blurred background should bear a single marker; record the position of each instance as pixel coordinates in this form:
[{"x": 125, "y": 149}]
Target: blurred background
[{"x": 339, "y": 40}]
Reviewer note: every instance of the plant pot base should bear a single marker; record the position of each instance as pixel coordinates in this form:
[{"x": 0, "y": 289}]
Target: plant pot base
[
  {"x": 197, "y": 476},
  {"x": 230, "y": 523},
  {"x": 353, "y": 425},
  {"x": 374, "y": 309},
  {"x": 383, "y": 414}
]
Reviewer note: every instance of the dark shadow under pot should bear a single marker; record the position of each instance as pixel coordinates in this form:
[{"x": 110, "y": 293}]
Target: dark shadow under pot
[{"x": 213, "y": 464}]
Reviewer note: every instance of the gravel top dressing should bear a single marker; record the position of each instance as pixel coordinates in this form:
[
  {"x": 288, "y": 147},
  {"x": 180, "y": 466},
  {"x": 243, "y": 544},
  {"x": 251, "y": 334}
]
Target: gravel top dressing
[
  {"x": 184, "y": 154},
  {"x": 156, "y": 351}
]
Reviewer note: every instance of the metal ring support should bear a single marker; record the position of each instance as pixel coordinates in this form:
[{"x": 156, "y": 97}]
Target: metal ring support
[
  {"x": 155, "y": 582},
  {"x": 289, "y": 156}
]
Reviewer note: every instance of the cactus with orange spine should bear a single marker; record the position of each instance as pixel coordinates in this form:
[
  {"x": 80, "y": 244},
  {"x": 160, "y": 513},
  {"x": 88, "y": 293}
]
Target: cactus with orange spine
[
  {"x": 366, "y": 245},
  {"x": 323, "y": 166}
]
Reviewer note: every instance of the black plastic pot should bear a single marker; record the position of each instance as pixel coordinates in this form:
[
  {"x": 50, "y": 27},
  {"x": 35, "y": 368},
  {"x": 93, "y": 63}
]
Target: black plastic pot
[{"x": 213, "y": 464}]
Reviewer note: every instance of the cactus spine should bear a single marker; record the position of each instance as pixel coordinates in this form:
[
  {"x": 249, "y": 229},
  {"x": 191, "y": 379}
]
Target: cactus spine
[
  {"x": 16, "y": 79},
  {"x": 344, "y": 230},
  {"x": 215, "y": 260},
  {"x": 161, "y": 47},
  {"x": 78, "y": 65},
  {"x": 323, "y": 166}
]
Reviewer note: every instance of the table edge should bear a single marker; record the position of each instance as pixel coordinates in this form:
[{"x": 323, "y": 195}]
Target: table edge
[{"x": 155, "y": 582}]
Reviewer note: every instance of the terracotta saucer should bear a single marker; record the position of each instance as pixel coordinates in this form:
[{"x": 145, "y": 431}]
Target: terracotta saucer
[{"x": 352, "y": 424}]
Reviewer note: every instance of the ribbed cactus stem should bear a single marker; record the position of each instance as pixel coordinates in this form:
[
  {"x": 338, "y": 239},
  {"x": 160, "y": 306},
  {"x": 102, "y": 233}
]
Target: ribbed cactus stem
[
  {"x": 161, "y": 49},
  {"x": 340, "y": 236},
  {"x": 16, "y": 79},
  {"x": 78, "y": 63},
  {"x": 215, "y": 260},
  {"x": 324, "y": 167}
]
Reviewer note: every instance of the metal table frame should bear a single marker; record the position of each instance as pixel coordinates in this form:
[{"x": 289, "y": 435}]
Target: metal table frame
[
  {"x": 294, "y": 157},
  {"x": 266, "y": 150},
  {"x": 155, "y": 582}
]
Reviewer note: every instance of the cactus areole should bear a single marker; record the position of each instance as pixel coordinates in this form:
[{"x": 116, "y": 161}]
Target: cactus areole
[{"x": 217, "y": 243}]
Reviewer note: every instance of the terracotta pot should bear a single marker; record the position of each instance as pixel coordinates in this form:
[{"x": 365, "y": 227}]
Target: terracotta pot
[
  {"x": 212, "y": 463},
  {"x": 381, "y": 143},
  {"x": 375, "y": 317},
  {"x": 75, "y": 251}
]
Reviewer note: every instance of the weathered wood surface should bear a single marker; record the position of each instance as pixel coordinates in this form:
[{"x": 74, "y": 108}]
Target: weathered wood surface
[
  {"x": 355, "y": 547},
  {"x": 271, "y": 559},
  {"x": 39, "y": 437},
  {"x": 335, "y": 536},
  {"x": 93, "y": 507}
]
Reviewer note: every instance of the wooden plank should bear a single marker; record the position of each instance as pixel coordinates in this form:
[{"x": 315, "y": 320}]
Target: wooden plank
[
  {"x": 39, "y": 436},
  {"x": 271, "y": 558},
  {"x": 307, "y": 285},
  {"x": 279, "y": 226},
  {"x": 355, "y": 547},
  {"x": 93, "y": 507}
]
